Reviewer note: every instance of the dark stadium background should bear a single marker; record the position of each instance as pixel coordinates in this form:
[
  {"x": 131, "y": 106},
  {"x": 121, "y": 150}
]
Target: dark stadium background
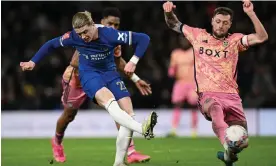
[{"x": 27, "y": 25}]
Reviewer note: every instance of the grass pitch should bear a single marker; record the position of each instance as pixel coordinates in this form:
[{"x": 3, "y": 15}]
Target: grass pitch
[{"x": 164, "y": 152}]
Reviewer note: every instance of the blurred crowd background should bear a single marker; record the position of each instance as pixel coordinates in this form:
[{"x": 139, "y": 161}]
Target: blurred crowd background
[{"x": 27, "y": 25}]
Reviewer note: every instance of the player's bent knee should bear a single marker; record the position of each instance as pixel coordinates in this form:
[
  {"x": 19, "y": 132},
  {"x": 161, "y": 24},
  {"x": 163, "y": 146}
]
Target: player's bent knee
[
  {"x": 71, "y": 117},
  {"x": 208, "y": 105},
  {"x": 103, "y": 96},
  {"x": 72, "y": 104},
  {"x": 126, "y": 105},
  {"x": 70, "y": 114}
]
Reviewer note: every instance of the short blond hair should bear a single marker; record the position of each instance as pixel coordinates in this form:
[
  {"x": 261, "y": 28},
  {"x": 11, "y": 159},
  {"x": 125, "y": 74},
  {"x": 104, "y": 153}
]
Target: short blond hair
[{"x": 81, "y": 19}]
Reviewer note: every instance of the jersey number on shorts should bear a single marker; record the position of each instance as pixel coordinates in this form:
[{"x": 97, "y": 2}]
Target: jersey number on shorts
[{"x": 122, "y": 85}]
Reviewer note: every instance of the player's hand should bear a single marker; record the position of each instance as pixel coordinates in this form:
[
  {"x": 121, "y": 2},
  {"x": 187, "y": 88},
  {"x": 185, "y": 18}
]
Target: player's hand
[
  {"x": 130, "y": 68},
  {"x": 27, "y": 65},
  {"x": 248, "y": 7},
  {"x": 168, "y": 7},
  {"x": 143, "y": 87},
  {"x": 118, "y": 51}
]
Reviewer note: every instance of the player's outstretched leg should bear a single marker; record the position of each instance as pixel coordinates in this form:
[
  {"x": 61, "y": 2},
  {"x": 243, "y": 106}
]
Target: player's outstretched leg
[
  {"x": 219, "y": 127},
  {"x": 230, "y": 155},
  {"x": 218, "y": 124},
  {"x": 121, "y": 117},
  {"x": 106, "y": 99},
  {"x": 66, "y": 117},
  {"x": 223, "y": 155}
]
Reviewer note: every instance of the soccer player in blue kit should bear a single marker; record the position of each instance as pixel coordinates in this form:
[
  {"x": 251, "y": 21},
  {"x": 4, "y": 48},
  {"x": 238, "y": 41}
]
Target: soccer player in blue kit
[{"x": 98, "y": 75}]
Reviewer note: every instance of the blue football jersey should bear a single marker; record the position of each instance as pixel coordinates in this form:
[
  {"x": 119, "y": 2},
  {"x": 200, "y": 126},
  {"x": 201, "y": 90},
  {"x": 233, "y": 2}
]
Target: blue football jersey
[{"x": 97, "y": 55}]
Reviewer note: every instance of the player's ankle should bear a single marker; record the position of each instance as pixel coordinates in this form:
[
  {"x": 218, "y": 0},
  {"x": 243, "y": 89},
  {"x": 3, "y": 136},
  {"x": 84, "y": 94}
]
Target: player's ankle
[
  {"x": 129, "y": 152},
  {"x": 58, "y": 141}
]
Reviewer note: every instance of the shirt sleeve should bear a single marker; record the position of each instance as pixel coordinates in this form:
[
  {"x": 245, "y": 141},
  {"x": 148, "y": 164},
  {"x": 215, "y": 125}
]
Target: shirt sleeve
[
  {"x": 191, "y": 33},
  {"x": 49, "y": 46},
  {"x": 140, "y": 41},
  {"x": 116, "y": 37},
  {"x": 242, "y": 42},
  {"x": 66, "y": 40}
]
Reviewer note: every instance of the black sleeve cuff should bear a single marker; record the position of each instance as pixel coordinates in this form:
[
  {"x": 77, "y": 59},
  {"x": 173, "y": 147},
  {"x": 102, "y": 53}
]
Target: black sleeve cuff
[
  {"x": 242, "y": 42},
  {"x": 181, "y": 26}
]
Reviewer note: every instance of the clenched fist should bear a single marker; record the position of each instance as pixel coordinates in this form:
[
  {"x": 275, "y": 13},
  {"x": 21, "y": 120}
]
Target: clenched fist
[
  {"x": 168, "y": 7},
  {"x": 27, "y": 65}
]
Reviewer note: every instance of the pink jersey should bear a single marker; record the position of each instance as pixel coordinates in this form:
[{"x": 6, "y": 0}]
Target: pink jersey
[{"x": 215, "y": 60}]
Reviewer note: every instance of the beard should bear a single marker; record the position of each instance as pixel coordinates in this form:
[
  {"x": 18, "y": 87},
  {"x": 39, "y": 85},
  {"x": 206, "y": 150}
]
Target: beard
[{"x": 219, "y": 36}]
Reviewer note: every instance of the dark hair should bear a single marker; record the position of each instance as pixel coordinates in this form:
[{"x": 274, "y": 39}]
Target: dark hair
[
  {"x": 224, "y": 11},
  {"x": 111, "y": 11}
]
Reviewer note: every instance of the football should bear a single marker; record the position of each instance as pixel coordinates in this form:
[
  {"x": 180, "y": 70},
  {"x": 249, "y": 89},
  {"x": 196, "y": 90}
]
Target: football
[{"x": 236, "y": 137}]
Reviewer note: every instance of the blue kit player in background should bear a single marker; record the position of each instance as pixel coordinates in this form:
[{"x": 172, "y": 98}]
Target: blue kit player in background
[{"x": 98, "y": 75}]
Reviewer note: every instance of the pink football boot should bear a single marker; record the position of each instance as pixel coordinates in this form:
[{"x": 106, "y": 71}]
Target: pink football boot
[
  {"x": 136, "y": 157},
  {"x": 58, "y": 152}
]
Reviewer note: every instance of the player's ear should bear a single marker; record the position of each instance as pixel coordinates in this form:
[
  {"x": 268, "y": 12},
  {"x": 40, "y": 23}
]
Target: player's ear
[
  {"x": 102, "y": 21},
  {"x": 212, "y": 21}
]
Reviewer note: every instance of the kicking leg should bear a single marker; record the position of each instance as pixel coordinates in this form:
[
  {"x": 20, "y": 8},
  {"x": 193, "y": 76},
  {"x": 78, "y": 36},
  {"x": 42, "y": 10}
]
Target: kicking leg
[
  {"x": 218, "y": 124},
  {"x": 106, "y": 99},
  {"x": 237, "y": 117},
  {"x": 214, "y": 111},
  {"x": 219, "y": 127}
]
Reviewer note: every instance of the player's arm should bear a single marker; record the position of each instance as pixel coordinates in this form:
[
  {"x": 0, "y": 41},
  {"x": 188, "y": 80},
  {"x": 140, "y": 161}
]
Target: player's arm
[
  {"x": 121, "y": 63},
  {"x": 143, "y": 87},
  {"x": 42, "y": 52},
  {"x": 170, "y": 18},
  {"x": 47, "y": 48},
  {"x": 140, "y": 41},
  {"x": 261, "y": 35}
]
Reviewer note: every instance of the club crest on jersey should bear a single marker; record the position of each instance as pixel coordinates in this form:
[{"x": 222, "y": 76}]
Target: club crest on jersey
[
  {"x": 66, "y": 36},
  {"x": 225, "y": 43}
]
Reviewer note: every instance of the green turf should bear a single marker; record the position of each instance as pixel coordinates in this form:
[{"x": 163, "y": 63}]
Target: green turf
[{"x": 164, "y": 152}]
